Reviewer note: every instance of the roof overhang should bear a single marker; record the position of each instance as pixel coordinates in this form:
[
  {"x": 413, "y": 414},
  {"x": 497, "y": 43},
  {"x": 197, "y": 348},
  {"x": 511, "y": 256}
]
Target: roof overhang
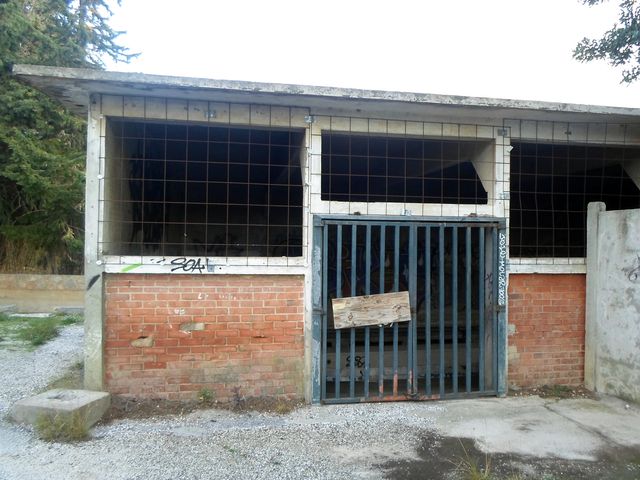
[{"x": 73, "y": 87}]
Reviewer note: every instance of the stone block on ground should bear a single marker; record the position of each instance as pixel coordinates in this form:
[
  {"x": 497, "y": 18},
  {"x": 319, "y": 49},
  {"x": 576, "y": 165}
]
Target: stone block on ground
[{"x": 89, "y": 404}]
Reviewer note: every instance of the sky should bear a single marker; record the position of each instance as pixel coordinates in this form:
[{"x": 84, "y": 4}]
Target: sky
[{"x": 516, "y": 49}]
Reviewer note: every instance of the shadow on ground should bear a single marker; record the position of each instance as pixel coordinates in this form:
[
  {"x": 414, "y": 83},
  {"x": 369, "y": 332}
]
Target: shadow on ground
[{"x": 447, "y": 458}]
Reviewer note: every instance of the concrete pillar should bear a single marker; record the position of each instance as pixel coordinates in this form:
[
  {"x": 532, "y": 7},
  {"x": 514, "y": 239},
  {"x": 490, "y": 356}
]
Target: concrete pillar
[
  {"x": 93, "y": 269},
  {"x": 484, "y": 163},
  {"x": 591, "y": 315}
]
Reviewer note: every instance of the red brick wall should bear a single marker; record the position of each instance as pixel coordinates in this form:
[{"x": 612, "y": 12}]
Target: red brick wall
[
  {"x": 226, "y": 333},
  {"x": 546, "y": 329}
]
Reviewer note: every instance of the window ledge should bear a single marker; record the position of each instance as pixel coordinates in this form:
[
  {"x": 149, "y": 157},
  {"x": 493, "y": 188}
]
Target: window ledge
[
  {"x": 547, "y": 265},
  {"x": 205, "y": 265}
]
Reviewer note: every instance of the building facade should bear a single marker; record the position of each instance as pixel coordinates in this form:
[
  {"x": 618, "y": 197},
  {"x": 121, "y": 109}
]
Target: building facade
[{"x": 226, "y": 220}]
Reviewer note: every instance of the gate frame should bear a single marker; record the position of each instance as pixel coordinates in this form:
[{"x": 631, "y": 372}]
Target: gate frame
[{"x": 500, "y": 267}]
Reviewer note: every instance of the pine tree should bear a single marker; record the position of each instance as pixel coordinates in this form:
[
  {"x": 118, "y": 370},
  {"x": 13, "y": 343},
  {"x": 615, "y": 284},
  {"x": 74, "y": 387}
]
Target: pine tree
[{"x": 41, "y": 144}]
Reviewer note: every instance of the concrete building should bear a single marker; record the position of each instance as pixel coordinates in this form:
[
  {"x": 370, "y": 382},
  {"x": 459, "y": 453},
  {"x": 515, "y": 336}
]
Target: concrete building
[{"x": 223, "y": 220}]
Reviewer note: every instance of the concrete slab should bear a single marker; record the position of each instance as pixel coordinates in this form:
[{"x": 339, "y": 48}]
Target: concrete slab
[
  {"x": 610, "y": 418},
  {"x": 89, "y": 404},
  {"x": 572, "y": 429}
]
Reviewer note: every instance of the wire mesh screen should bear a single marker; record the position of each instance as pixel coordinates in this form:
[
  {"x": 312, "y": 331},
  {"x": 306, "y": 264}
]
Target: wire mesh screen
[
  {"x": 551, "y": 185},
  {"x": 181, "y": 189},
  {"x": 375, "y": 168}
]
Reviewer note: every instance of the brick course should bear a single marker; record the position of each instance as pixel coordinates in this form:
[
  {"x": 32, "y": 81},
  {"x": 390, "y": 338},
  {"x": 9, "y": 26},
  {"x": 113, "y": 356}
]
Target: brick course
[
  {"x": 232, "y": 334},
  {"x": 546, "y": 329}
]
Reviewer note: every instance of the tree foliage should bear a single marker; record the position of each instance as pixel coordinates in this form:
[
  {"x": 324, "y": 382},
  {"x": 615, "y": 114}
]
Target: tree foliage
[
  {"x": 42, "y": 145},
  {"x": 620, "y": 45}
]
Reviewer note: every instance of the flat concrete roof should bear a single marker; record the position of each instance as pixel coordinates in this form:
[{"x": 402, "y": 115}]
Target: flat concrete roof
[{"x": 73, "y": 86}]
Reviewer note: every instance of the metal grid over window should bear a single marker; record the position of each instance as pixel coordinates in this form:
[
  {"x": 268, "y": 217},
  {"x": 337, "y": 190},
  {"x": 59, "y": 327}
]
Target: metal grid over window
[
  {"x": 374, "y": 168},
  {"x": 554, "y": 176},
  {"x": 190, "y": 189}
]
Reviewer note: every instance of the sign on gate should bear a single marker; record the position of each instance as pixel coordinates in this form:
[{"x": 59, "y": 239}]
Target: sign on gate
[{"x": 381, "y": 309}]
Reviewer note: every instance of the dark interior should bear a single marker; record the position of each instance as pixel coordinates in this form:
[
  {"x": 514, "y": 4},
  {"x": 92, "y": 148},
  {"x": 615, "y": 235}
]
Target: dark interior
[
  {"x": 365, "y": 168},
  {"x": 188, "y": 189},
  {"x": 551, "y": 186}
]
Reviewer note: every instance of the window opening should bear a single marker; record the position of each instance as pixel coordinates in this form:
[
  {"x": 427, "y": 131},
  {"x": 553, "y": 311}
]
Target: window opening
[
  {"x": 365, "y": 168},
  {"x": 551, "y": 186},
  {"x": 179, "y": 189}
]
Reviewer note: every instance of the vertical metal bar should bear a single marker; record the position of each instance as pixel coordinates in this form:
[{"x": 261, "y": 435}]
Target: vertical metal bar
[
  {"x": 338, "y": 295},
  {"x": 454, "y": 308},
  {"x": 468, "y": 307},
  {"x": 381, "y": 287},
  {"x": 352, "y": 331},
  {"x": 367, "y": 291},
  {"x": 427, "y": 309},
  {"x": 441, "y": 306},
  {"x": 325, "y": 306},
  {"x": 412, "y": 382},
  {"x": 502, "y": 321},
  {"x": 494, "y": 310},
  {"x": 481, "y": 293},
  {"x": 396, "y": 286}
]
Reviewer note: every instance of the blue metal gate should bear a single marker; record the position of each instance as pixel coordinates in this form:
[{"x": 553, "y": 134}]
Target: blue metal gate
[{"x": 454, "y": 271}]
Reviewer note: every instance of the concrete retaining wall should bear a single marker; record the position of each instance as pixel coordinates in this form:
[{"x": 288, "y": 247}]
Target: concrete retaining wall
[
  {"x": 613, "y": 302},
  {"x": 41, "y": 293}
]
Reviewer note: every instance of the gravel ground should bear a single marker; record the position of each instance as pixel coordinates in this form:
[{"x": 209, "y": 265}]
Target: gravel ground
[
  {"x": 359, "y": 441},
  {"x": 343, "y": 441},
  {"x": 24, "y": 372}
]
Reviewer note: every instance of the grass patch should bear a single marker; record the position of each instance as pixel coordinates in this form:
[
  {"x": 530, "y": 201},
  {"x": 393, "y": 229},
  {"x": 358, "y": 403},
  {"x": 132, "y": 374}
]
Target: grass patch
[
  {"x": 71, "y": 380},
  {"x": 62, "y": 428},
  {"x": 73, "y": 319},
  {"x": 16, "y": 331},
  {"x": 38, "y": 331},
  {"x": 469, "y": 467}
]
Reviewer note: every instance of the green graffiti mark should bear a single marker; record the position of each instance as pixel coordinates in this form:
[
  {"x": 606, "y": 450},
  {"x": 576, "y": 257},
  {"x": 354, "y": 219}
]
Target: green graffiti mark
[{"x": 128, "y": 268}]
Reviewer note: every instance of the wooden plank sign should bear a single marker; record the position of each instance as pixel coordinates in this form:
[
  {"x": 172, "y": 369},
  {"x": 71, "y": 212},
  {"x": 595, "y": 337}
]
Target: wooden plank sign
[{"x": 381, "y": 309}]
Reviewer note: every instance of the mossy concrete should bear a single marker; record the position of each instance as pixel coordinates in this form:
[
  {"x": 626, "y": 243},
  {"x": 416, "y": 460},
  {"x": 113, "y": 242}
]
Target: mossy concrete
[{"x": 62, "y": 402}]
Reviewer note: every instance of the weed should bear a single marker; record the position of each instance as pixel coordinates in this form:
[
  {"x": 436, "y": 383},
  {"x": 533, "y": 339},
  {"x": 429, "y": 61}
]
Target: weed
[
  {"x": 237, "y": 401},
  {"x": 73, "y": 319},
  {"x": 62, "y": 428},
  {"x": 470, "y": 468},
  {"x": 233, "y": 451},
  {"x": 282, "y": 407},
  {"x": 39, "y": 331},
  {"x": 560, "y": 391},
  {"x": 206, "y": 396},
  {"x": 4, "y": 317}
]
